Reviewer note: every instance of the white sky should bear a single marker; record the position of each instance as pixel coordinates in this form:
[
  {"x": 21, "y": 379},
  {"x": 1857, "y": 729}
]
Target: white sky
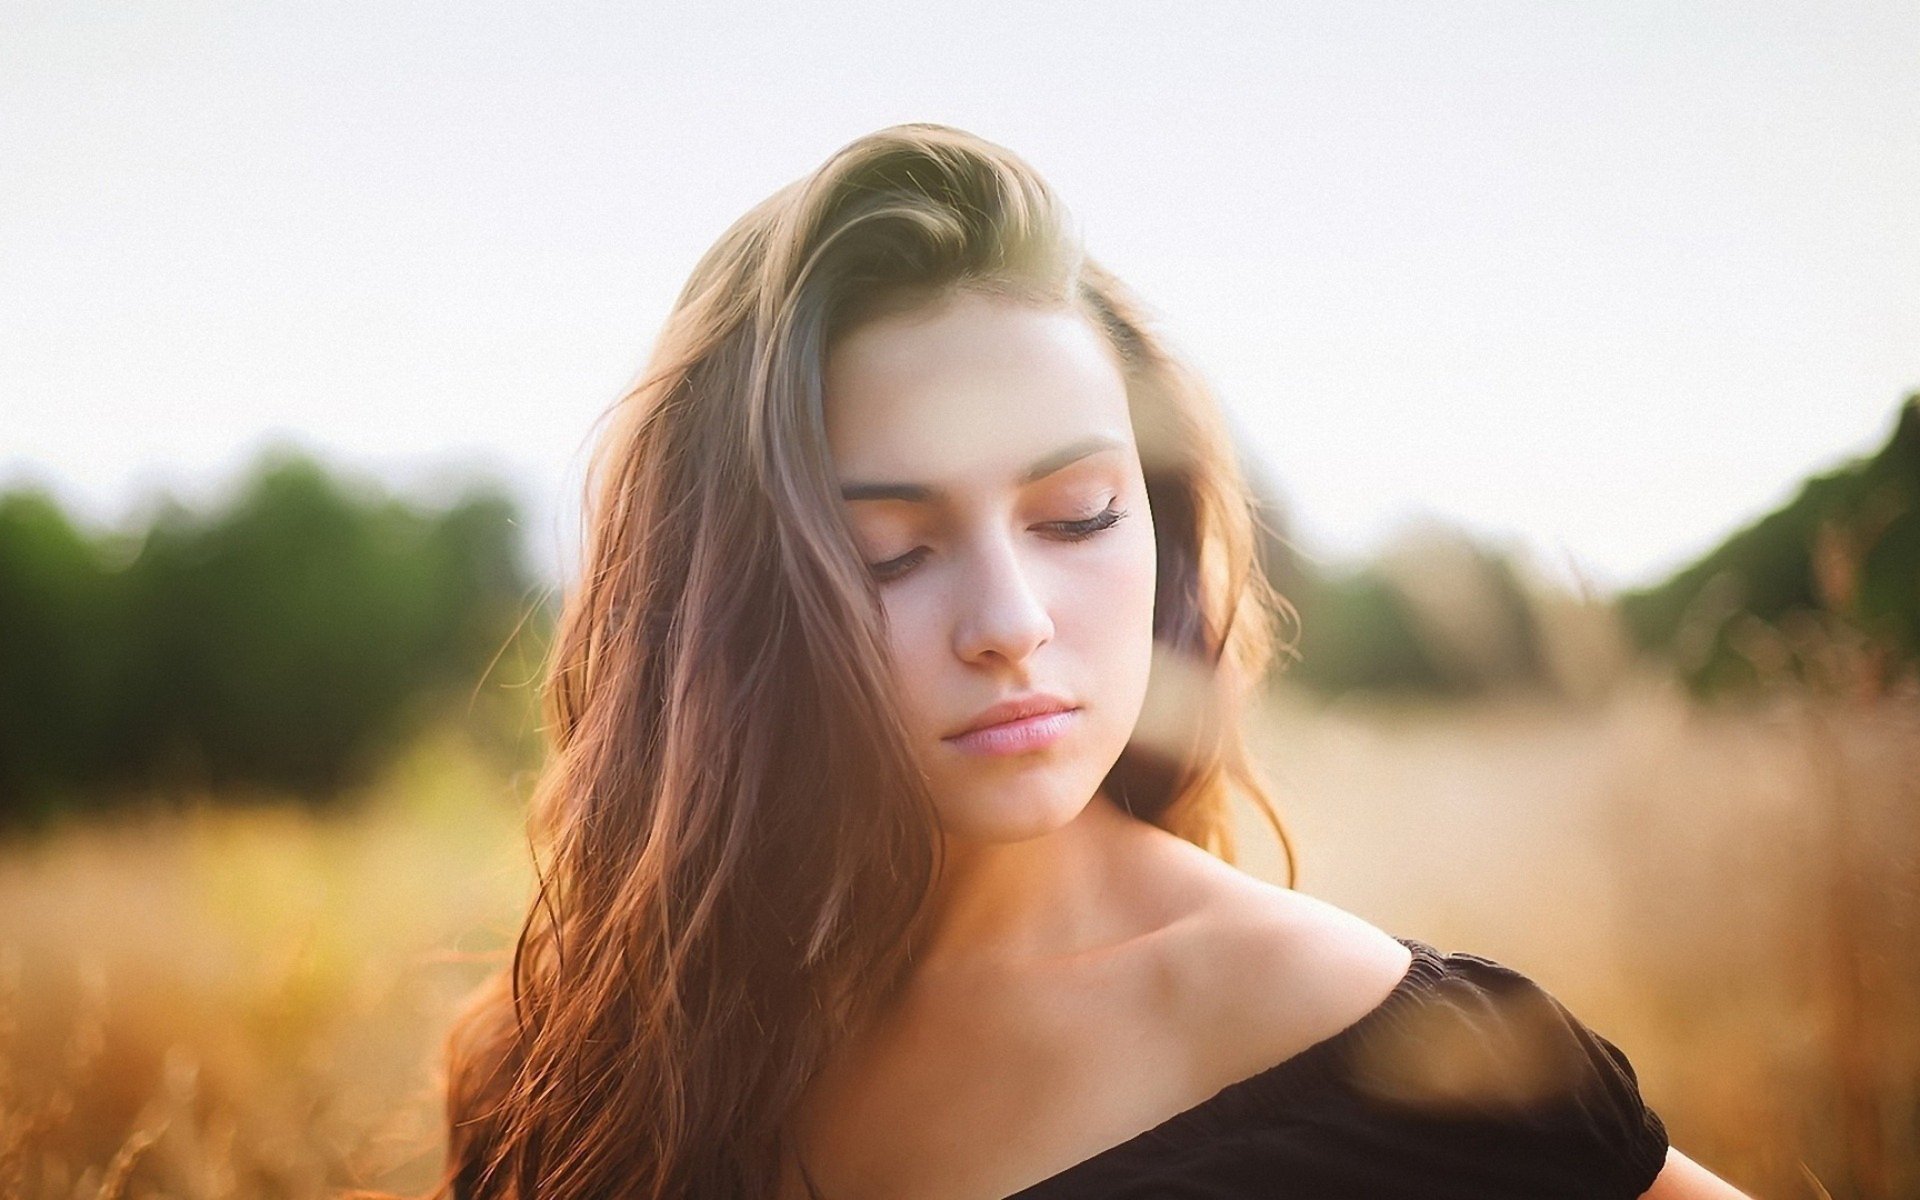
[{"x": 1604, "y": 281}]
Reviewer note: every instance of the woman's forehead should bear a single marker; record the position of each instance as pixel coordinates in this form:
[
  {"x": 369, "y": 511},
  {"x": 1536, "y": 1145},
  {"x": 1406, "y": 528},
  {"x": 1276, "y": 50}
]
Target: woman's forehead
[{"x": 982, "y": 386}]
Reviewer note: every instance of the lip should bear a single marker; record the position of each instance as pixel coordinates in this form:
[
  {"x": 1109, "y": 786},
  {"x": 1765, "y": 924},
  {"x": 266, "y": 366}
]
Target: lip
[{"x": 1017, "y": 726}]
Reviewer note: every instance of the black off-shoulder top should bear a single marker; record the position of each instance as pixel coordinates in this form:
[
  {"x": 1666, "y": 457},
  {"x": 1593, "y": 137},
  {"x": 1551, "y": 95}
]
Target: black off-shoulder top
[{"x": 1468, "y": 1080}]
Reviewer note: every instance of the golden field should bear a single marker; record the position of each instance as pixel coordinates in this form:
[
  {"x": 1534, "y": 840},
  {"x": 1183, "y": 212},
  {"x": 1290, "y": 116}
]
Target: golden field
[{"x": 248, "y": 1001}]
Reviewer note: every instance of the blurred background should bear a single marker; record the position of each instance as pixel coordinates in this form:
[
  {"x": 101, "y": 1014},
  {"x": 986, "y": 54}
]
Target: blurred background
[{"x": 1575, "y": 353}]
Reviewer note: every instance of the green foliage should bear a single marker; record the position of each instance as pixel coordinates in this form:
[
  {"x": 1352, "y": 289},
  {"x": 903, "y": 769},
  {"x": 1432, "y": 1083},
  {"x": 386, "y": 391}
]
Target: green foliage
[
  {"x": 62, "y": 634},
  {"x": 288, "y": 641},
  {"x": 1436, "y": 614},
  {"x": 1843, "y": 557},
  {"x": 1357, "y": 633}
]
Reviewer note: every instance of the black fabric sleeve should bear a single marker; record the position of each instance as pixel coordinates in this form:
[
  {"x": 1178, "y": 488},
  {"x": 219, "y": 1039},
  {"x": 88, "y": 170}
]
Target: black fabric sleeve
[
  {"x": 1468, "y": 1082},
  {"x": 1492, "y": 1056}
]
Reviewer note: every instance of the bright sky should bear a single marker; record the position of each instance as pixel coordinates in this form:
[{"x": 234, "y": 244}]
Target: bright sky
[{"x": 1604, "y": 281}]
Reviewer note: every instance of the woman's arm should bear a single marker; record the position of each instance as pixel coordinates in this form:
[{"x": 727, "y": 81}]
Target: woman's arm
[{"x": 1684, "y": 1179}]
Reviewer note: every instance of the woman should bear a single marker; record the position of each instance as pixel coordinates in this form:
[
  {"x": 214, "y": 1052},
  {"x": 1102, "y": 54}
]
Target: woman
[{"x": 895, "y": 721}]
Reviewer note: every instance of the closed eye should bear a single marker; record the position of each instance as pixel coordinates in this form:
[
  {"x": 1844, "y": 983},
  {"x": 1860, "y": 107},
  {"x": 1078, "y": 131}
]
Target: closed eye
[
  {"x": 1072, "y": 531},
  {"x": 1076, "y": 530}
]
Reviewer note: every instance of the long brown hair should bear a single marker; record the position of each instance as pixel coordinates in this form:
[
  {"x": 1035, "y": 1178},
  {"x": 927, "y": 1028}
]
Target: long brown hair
[{"x": 737, "y": 841}]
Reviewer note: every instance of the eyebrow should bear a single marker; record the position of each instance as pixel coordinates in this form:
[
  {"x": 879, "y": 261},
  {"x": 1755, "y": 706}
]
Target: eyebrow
[{"x": 921, "y": 493}]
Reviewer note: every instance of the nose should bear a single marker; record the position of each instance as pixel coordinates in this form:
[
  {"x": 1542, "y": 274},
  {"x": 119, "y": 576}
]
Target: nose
[{"x": 1001, "y": 610}]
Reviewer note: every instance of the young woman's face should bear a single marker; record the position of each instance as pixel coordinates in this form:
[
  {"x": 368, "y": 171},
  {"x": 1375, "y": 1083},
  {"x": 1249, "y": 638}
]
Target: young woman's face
[{"x": 986, "y": 455}]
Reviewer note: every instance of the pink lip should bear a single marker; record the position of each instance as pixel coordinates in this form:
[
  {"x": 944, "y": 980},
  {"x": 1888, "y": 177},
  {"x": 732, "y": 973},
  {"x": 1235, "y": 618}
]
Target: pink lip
[{"x": 1021, "y": 736}]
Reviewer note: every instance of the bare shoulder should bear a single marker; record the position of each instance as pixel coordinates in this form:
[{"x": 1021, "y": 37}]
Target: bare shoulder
[
  {"x": 1684, "y": 1179},
  {"x": 1265, "y": 971}
]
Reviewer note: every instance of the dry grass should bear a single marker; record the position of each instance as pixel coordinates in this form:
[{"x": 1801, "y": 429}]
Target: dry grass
[
  {"x": 242, "y": 1003},
  {"x": 1732, "y": 897},
  {"x": 250, "y": 1002}
]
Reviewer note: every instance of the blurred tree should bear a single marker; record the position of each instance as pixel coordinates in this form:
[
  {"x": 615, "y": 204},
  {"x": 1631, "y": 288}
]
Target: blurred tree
[
  {"x": 1436, "y": 614},
  {"x": 1839, "y": 562},
  {"x": 1358, "y": 633},
  {"x": 61, "y": 638},
  {"x": 289, "y": 641}
]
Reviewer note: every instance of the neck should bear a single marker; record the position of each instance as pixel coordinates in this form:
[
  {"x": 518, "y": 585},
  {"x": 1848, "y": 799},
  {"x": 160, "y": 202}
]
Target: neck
[{"x": 1004, "y": 904}]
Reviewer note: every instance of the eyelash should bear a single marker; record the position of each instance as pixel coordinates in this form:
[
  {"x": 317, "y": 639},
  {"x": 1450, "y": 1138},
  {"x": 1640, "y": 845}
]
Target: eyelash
[{"x": 1075, "y": 531}]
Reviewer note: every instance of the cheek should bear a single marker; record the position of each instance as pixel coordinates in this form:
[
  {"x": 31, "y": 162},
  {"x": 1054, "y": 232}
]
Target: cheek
[
  {"x": 1104, "y": 621},
  {"x": 1109, "y": 589},
  {"x": 916, "y": 641}
]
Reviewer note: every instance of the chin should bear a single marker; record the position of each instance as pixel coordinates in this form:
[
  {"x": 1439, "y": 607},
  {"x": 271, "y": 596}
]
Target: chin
[{"x": 1012, "y": 812}]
